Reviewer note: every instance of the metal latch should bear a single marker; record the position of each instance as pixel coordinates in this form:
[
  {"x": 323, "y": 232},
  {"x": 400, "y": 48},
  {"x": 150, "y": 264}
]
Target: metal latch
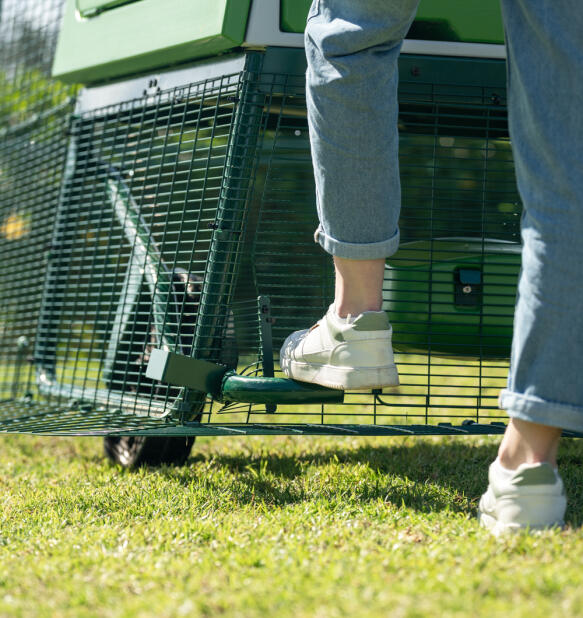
[{"x": 467, "y": 287}]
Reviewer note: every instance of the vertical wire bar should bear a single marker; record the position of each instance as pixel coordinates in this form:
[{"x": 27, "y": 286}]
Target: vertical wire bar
[
  {"x": 431, "y": 257},
  {"x": 224, "y": 254},
  {"x": 483, "y": 262},
  {"x": 99, "y": 294},
  {"x": 45, "y": 350}
]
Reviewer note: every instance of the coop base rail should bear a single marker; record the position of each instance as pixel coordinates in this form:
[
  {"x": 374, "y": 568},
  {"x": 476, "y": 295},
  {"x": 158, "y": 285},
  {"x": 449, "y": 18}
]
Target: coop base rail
[{"x": 226, "y": 385}]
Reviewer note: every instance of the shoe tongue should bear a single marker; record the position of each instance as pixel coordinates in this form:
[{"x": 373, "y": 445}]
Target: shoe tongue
[{"x": 349, "y": 319}]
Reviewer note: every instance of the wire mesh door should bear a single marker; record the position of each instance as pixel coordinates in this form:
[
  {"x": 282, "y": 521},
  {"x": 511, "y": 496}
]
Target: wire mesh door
[
  {"x": 130, "y": 250},
  {"x": 450, "y": 289}
]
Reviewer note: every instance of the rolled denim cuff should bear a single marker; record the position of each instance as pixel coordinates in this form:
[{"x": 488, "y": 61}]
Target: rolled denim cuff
[
  {"x": 357, "y": 251},
  {"x": 537, "y": 410}
]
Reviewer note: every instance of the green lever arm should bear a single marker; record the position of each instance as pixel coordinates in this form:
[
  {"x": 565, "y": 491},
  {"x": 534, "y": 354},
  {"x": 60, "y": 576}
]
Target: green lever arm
[{"x": 226, "y": 385}]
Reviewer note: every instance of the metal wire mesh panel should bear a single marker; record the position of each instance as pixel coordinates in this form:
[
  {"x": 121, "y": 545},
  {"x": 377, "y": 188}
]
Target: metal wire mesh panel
[
  {"x": 34, "y": 113},
  {"x": 449, "y": 291},
  {"x": 177, "y": 210},
  {"x": 28, "y": 37},
  {"x": 131, "y": 245}
]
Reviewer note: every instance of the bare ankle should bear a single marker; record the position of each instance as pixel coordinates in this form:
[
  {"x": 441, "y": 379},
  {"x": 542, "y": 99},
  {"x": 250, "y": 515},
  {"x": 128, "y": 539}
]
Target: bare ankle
[
  {"x": 528, "y": 443},
  {"x": 359, "y": 286}
]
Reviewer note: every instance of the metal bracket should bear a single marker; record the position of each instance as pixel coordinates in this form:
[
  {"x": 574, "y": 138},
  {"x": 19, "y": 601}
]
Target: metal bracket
[{"x": 265, "y": 336}]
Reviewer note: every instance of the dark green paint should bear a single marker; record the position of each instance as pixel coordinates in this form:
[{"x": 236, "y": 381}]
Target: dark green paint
[
  {"x": 469, "y": 21},
  {"x": 276, "y": 390}
]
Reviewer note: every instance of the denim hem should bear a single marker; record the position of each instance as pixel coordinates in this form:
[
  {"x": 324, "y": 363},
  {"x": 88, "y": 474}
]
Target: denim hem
[
  {"x": 357, "y": 251},
  {"x": 536, "y": 410}
]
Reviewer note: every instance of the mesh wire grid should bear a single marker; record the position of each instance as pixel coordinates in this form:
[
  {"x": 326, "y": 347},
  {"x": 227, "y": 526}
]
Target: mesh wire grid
[
  {"x": 449, "y": 290},
  {"x": 159, "y": 221},
  {"x": 34, "y": 114},
  {"x": 28, "y": 37}
]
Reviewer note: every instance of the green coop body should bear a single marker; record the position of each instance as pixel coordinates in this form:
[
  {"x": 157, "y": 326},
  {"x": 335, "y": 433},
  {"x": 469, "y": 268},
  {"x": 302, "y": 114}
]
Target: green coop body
[{"x": 102, "y": 40}]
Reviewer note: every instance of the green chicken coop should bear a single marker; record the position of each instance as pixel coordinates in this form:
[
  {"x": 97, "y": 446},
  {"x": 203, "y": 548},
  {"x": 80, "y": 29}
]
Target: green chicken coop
[{"x": 157, "y": 209}]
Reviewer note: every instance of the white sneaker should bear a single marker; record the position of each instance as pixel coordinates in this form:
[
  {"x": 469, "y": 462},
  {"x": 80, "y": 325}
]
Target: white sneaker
[
  {"x": 532, "y": 496},
  {"x": 348, "y": 354}
]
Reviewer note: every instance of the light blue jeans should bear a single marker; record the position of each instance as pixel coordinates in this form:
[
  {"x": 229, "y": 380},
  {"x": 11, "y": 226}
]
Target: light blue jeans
[{"x": 352, "y": 48}]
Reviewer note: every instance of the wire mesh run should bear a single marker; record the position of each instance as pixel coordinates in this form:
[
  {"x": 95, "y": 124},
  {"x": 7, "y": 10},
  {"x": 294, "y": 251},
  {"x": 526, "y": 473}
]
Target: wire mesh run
[
  {"x": 28, "y": 37},
  {"x": 160, "y": 221},
  {"x": 34, "y": 116},
  {"x": 131, "y": 246}
]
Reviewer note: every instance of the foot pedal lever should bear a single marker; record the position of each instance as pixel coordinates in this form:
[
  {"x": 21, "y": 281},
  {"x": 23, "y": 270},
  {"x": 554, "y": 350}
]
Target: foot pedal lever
[{"x": 226, "y": 386}]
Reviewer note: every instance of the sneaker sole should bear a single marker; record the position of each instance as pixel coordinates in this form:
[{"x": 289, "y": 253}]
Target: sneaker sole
[
  {"x": 343, "y": 378},
  {"x": 498, "y": 528},
  {"x": 494, "y": 526}
]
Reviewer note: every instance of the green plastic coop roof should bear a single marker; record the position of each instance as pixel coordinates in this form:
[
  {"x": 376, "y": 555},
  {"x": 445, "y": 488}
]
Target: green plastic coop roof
[
  {"x": 108, "y": 39},
  {"x": 104, "y": 39}
]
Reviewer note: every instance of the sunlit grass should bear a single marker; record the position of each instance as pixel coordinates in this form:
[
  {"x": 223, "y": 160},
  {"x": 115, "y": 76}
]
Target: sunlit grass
[{"x": 275, "y": 526}]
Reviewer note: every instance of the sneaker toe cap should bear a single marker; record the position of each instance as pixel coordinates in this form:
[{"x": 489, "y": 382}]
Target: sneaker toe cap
[{"x": 290, "y": 345}]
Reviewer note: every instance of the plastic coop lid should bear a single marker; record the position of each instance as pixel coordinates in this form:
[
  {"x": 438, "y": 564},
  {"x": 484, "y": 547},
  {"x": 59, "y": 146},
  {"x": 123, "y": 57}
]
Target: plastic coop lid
[
  {"x": 102, "y": 40},
  {"x": 106, "y": 39}
]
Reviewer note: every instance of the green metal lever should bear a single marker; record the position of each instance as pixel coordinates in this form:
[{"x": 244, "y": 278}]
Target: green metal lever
[{"x": 225, "y": 385}]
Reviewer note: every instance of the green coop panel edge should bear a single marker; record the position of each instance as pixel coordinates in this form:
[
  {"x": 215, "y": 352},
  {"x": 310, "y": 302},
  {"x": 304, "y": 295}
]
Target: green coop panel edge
[
  {"x": 128, "y": 38},
  {"x": 470, "y": 21},
  {"x": 89, "y": 8}
]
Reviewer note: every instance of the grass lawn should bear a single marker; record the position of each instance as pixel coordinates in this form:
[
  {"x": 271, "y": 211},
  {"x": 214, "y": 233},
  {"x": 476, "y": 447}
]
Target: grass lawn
[{"x": 276, "y": 527}]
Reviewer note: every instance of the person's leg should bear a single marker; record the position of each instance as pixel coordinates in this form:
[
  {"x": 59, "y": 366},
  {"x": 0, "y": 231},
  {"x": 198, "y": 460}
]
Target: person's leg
[
  {"x": 352, "y": 50},
  {"x": 529, "y": 443},
  {"x": 545, "y": 59},
  {"x": 359, "y": 286},
  {"x": 545, "y": 390}
]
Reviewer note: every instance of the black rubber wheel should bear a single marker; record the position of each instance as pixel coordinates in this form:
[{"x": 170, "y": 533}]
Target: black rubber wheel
[
  {"x": 135, "y": 451},
  {"x": 132, "y": 357}
]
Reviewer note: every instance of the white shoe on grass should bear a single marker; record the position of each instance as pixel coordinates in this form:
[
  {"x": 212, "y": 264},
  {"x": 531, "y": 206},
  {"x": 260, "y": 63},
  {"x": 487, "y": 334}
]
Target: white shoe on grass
[
  {"x": 343, "y": 353},
  {"x": 532, "y": 496}
]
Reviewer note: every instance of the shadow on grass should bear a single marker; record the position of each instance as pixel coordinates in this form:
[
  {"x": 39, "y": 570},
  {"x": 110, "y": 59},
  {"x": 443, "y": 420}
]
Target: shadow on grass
[{"x": 426, "y": 476}]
